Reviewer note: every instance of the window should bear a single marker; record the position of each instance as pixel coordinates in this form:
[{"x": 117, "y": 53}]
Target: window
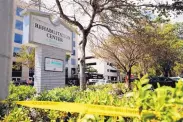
[
  {"x": 88, "y": 64},
  {"x": 16, "y": 51},
  {"x": 113, "y": 78},
  {"x": 18, "y": 10},
  {"x": 66, "y": 72},
  {"x": 19, "y": 25},
  {"x": 73, "y": 34},
  {"x": 73, "y": 52},
  {"x": 113, "y": 70},
  {"x": 16, "y": 72},
  {"x": 89, "y": 57},
  {"x": 31, "y": 72},
  {"x": 73, "y": 71},
  {"x": 18, "y": 38},
  {"x": 73, "y": 61},
  {"x": 73, "y": 44},
  {"x": 107, "y": 70},
  {"x": 111, "y": 64}
]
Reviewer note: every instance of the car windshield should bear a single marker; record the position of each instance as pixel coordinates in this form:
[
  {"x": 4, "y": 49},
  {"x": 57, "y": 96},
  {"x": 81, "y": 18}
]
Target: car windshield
[
  {"x": 176, "y": 79},
  {"x": 101, "y": 80}
]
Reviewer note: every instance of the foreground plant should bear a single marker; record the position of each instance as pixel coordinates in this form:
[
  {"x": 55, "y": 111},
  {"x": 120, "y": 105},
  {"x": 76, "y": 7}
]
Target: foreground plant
[{"x": 164, "y": 103}]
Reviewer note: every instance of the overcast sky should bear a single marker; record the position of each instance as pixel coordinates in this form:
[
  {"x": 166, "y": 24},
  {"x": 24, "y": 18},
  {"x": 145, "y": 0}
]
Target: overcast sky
[{"x": 69, "y": 10}]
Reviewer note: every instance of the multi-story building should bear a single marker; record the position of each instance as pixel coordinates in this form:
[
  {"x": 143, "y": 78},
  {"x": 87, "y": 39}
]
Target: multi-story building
[
  {"x": 72, "y": 63},
  {"x": 24, "y": 72},
  {"x": 106, "y": 68}
]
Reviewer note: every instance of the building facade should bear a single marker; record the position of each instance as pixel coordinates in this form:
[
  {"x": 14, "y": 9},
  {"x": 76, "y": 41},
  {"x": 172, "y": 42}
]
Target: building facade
[
  {"x": 71, "y": 66},
  {"x": 23, "y": 72},
  {"x": 106, "y": 68}
]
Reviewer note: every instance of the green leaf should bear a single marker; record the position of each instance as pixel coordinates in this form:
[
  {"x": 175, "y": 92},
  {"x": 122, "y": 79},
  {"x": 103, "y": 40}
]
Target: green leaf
[{"x": 147, "y": 87}]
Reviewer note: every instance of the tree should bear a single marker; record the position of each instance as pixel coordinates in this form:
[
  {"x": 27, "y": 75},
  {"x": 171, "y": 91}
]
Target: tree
[
  {"x": 124, "y": 52},
  {"x": 179, "y": 30},
  {"x": 26, "y": 57},
  {"x": 178, "y": 68},
  {"x": 144, "y": 47},
  {"x": 94, "y": 11},
  {"x": 67, "y": 57},
  {"x": 167, "y": 49},
  {"x": 106, "y": 14}
]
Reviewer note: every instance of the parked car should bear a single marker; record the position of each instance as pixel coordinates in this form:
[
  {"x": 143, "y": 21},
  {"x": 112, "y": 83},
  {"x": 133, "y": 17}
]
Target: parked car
[
  {"x": 103, "y": 82},
  {"x": 23, "y": 82},
  {"x": 176, "y": 78},
  {"x": 163, "y": 81}
]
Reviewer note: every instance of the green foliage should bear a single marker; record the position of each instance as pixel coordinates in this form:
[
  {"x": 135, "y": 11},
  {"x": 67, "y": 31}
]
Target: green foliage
[
  {"x": 151, "y": 71},
  {"x": 162, "y": 49},
  {"x": 18, "y": 114},
  {"x": 25, "y": 57},
  {"x": 20, "y": 93},
  {"x": 171, "y": 48},
  {"x": 165, "y": 101},
  {"x": 91, "y": 69},
  {"x": 67, "y": 94},
  {"x": 16, "y": 93},
  {"x": 178, "y": 68},
  {"x": 161, "y": 100},
  {"x": 67, "y": 57},
  {"x": 136, "y": 69}
]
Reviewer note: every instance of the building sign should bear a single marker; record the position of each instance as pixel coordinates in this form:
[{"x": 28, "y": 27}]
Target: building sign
[
  {"x": 41, "y": 30},
  {"x": 53, "y": 65}
]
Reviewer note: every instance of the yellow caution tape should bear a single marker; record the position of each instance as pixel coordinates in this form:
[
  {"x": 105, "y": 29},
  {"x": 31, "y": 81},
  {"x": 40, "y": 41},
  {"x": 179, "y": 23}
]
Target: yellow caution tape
[{"x": 85, "y": 108}]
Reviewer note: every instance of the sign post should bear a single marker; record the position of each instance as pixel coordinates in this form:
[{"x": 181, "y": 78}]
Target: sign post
[{"x": 51, "y": 41}]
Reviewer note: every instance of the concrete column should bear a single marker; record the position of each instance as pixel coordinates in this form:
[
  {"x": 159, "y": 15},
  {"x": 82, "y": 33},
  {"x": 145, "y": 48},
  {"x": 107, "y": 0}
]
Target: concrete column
[
  {"x": 25, "y": 73},
  {"x": 6, "y": 24}
]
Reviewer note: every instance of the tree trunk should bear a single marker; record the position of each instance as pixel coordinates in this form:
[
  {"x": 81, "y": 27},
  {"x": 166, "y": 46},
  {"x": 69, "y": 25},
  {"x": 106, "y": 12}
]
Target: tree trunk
[
  {"x": 127, "y": 81},
  {"x": 129, "y": 77},
  {"x": 82, "y": 69},
  {"x": 166, "y": 73},
  {"x": 170, "y": 73}
]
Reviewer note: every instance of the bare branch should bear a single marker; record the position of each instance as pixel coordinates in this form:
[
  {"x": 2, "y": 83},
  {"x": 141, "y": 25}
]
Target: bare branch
[
  {"x": 83, "y": 8},
  {"x": 65, "y": 17}
]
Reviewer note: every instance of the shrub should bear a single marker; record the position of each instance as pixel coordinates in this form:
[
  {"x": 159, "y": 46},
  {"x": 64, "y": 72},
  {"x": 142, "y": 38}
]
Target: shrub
[
  {"x": 16, "y": 93},
  {"x": 67, "y": 94},
  {"x": 165, "y": 101},
  {"x": 20, "y": 93},
  {"x": 18, "y": 114}
]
